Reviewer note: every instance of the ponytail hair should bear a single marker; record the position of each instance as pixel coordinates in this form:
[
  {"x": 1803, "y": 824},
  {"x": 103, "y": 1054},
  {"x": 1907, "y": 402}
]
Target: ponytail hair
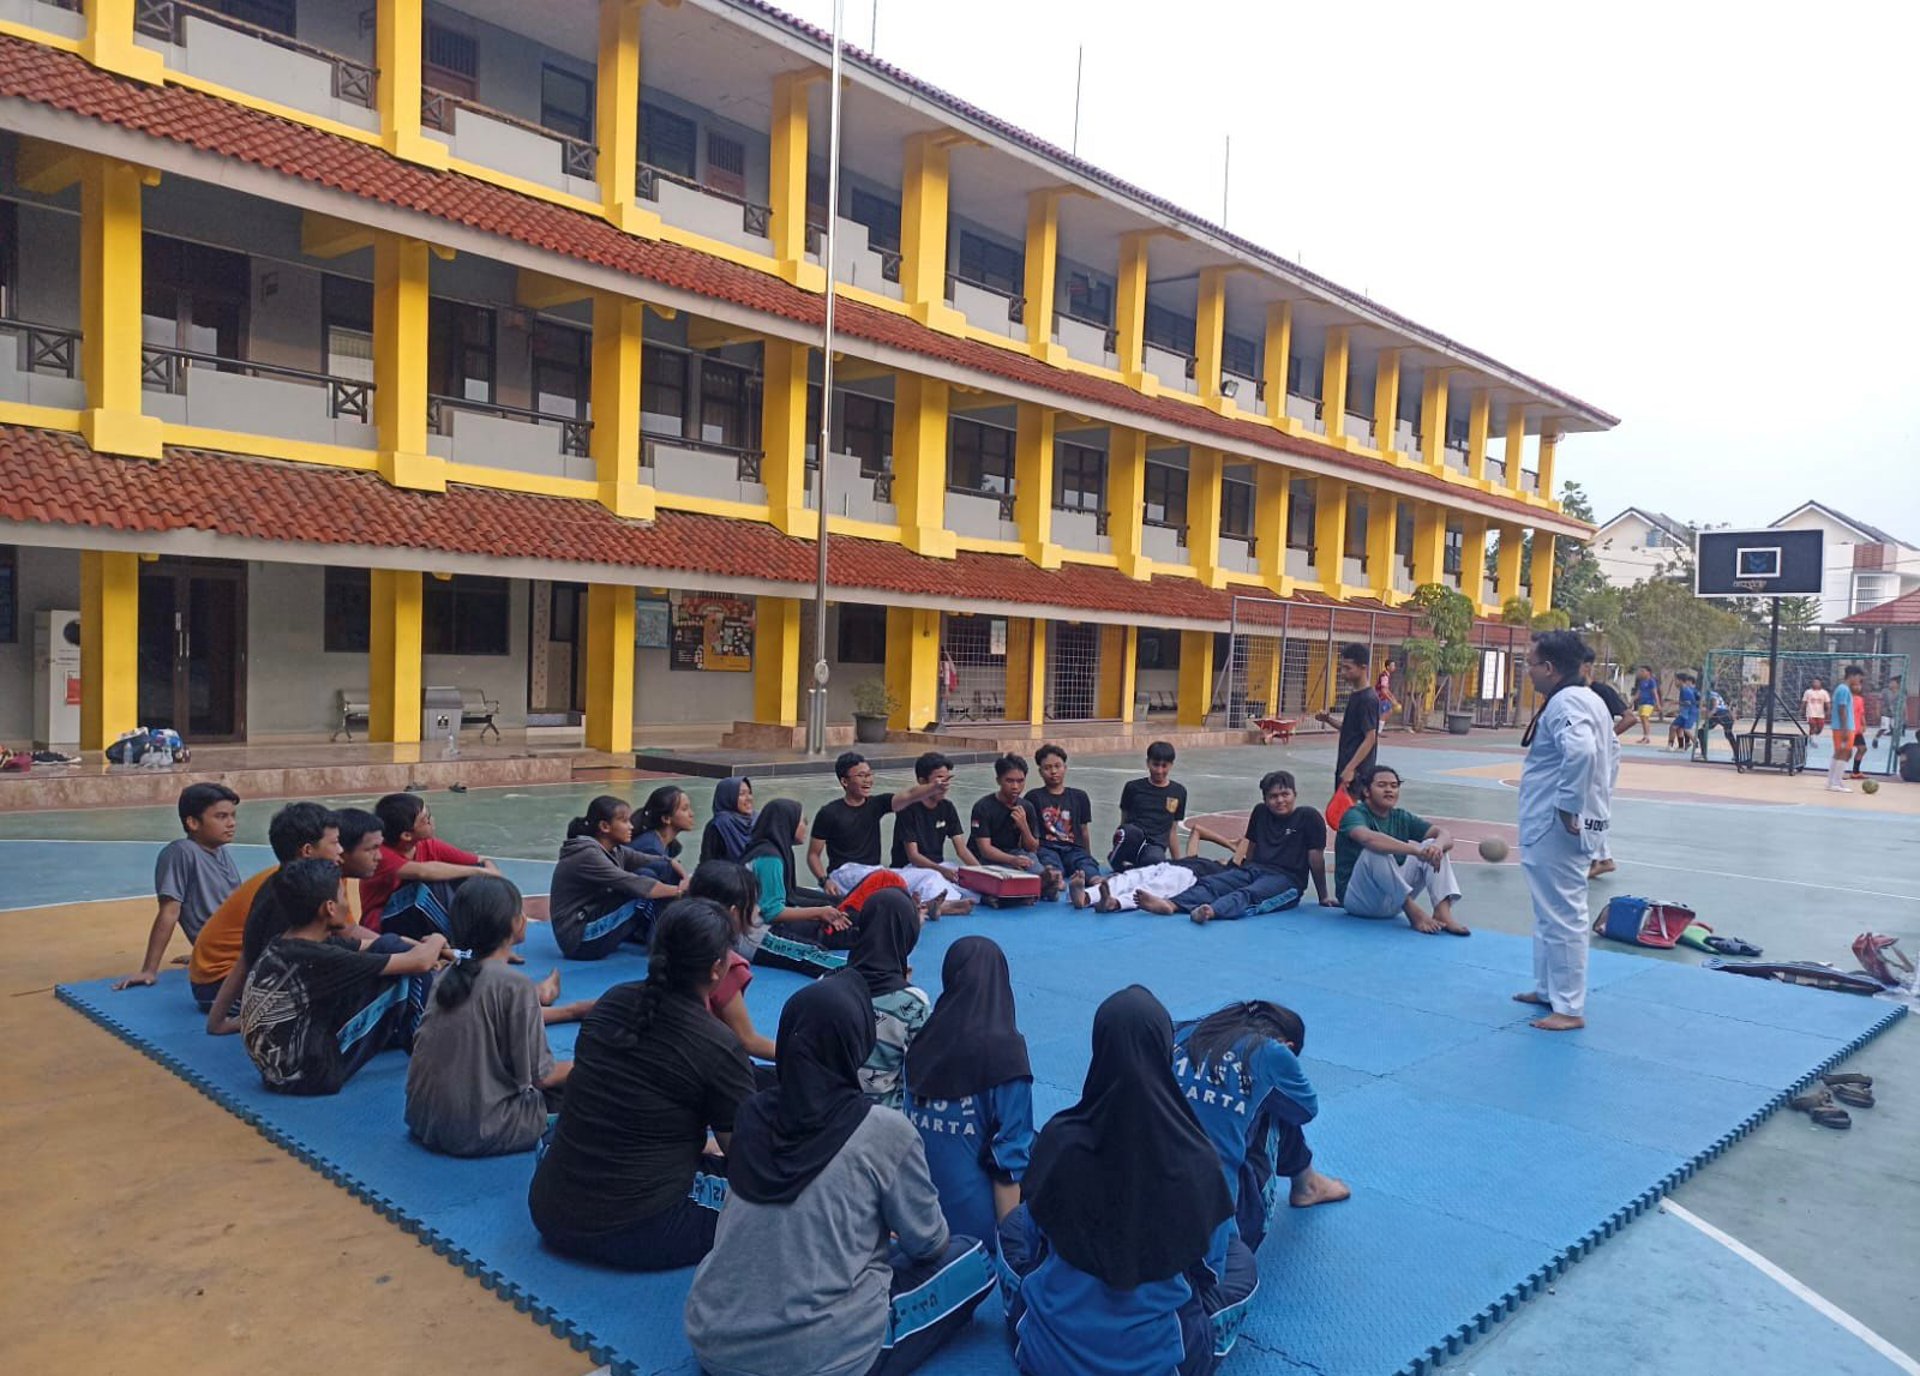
[
  {"x": 290, "y": 899},
  {"x": 600, "y": 812},
  {"x": 730, "y": 884},
  {"x": 1236, "y": 1027},
  {"x": 691, "y": 935},
  {"x": 660, "y": 805},
  {"x": 485, "y": 910}
]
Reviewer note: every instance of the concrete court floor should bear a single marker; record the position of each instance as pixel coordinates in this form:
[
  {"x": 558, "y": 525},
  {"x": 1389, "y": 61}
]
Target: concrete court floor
[{"x": 164, "y": 1235}]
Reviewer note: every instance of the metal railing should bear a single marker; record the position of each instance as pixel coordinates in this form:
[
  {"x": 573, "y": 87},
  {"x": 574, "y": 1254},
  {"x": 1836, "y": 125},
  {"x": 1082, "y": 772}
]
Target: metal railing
[
  {"x": 1016, "y": 304},
  {"x": 50, "y": 349},
  {"x": 574, "y": 434},
  {"x": 747, "y": 460},
  {"x": 578, "y": 157},
  {"x": 165, "y": 20},
  {"x": 1179, "y": 530},
  {"x": 1109, "y": 340},
  {"x": 816, "y": 245},
  {"x": 1099, "y": 517},
  {"x": 167, "y": 371},
  {"x": 754, "y": 218},
  {"x": 1006, "y": 500}
]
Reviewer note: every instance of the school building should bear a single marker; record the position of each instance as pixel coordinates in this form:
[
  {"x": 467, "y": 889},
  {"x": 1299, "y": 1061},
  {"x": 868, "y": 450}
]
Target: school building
[{"x": 348, "y": 350}]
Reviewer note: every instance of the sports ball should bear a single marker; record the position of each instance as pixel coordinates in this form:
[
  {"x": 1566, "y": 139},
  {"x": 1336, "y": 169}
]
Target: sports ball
[
  {"x": 1870, "y": 786},
  {"x": 1493, "y": 850}
]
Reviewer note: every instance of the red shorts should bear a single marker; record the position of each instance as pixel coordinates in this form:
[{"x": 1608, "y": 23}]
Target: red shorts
[{"x": 1816, "y": 724}]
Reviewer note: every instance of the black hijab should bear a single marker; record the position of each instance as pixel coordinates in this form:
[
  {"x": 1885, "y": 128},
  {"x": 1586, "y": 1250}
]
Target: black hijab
[
  {"x": 774, "y": 827},
  {"x": 783, "y": 1137},
  {"x": 889, "y": 928},
  {"x": 729, "y": 830},
  {"x": 971, "y": 1043},
  {"x": 1125, "y": 1183}
]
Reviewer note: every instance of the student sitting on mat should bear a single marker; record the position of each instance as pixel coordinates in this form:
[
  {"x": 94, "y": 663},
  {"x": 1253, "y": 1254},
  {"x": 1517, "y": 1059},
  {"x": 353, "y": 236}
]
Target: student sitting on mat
[
  {"x": 831, "y": 1215},
  {"x": 482, "y": 1073},
  {"x": 921, "y": 831},
  {"x": 627, "y": 1179},
  {"x": 318, "y": 1005},
  {"x": 1240, "y": 1072},
  {"x": 1282, "y": 846},
  {"x": 1065, "y": 816},
  {"x": 1005, "y": 825},
  {"x": 847, "y": 830},
  {"x": 193, "y": 875},
  {"x": 777, "y": 828},
  {"x": 733, "y": 887},
  {"x": 604, "y": 891},
  {"x": 1149, "y": 808},
  {"x": 970, "y": 1090},
  {"x": 889, "y": 928},
  {"x": 1121, "y": 1203},
  {"x": 1386, "y": 858},
  {"x": 1123, "y": 890},
  {"x": 663, "y": 818},
  {"x": 408, "y": 894},
  {"x": 725, "y": 836}
]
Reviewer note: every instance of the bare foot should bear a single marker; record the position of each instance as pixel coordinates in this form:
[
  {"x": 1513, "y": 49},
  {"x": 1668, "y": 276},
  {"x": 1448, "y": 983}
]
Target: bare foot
[
  {"x": 1311, "y": 1188},
  {"x": 1532, "y": 998},
  {"x": 1202, "y": 915},
  {"x": 1106, "y": 903},
  {"x": 548, "y": 989},
  {"x": 1049, "y": 883},
  {"x": 1077, "y": 890},
  {"x": 930, "y": 910},
  {"x": 1559, "y": 1022},
  {"x": 957, "y": 907},
  {"x": 1600, "y": 867},
  {"x": 1419, "y": 919},
  {"x": 1154, "y": 903},
  {"x": 1443, "y": 914}
]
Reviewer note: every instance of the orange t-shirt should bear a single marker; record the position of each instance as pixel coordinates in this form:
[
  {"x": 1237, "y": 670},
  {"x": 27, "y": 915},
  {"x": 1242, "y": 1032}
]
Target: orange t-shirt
[{"x": 217, "y": 949}]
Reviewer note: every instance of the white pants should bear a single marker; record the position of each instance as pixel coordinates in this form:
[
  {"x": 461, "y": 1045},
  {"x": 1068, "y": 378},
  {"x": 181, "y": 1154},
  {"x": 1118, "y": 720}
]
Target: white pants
[
  {"x": 1162, "y": 880},
  {"x": 1556, "y": 870},
  {"x": 1381, "y": 884},
  {"x": 923, "y": 884}
]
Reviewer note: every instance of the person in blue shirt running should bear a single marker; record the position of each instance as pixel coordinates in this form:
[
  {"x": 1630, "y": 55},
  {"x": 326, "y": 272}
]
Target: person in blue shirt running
[
  {"x": 1104, "y": 1264},
  {"x": 970, "y": 1090}
]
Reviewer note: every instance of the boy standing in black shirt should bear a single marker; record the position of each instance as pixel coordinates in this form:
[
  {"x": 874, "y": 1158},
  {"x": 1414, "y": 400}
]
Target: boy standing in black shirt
[
  {"x": 848, "y": 828},
  {"x": 1149, "y": 808},
  {"x": 1360, "y": 724},
  {"x": 1006, "y": 826},
  {"x": 1065, "y": 816}
]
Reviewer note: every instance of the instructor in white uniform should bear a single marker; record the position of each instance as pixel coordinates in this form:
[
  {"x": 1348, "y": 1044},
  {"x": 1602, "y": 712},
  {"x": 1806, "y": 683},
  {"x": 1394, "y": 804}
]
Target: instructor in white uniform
[{"x": 1566, "y": 805}]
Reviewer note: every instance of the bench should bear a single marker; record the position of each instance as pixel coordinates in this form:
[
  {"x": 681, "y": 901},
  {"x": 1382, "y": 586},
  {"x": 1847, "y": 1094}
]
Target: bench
[{"x": 476, "y": 709}]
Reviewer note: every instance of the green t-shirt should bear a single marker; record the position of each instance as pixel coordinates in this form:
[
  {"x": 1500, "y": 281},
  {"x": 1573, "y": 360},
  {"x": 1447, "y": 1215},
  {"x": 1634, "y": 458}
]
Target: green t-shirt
[{"x": 1400, "y": 824}]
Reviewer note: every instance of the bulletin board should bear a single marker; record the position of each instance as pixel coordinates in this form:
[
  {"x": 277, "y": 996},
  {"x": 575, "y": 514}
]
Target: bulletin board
[{"x": 712, "y": 632}]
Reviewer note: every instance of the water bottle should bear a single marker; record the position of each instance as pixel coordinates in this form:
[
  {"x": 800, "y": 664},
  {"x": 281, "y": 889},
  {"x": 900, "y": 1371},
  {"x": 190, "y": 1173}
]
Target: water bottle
[{"x": 451, "y": 750}]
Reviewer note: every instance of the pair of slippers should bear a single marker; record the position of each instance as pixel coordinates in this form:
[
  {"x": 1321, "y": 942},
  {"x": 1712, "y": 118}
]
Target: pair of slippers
[{"x": 1821, "y": 1103}]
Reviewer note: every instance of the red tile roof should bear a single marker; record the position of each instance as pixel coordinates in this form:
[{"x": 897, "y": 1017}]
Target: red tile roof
[
  {"x": 1901, "y": 611},
  {"x": 63, "y": 81}
]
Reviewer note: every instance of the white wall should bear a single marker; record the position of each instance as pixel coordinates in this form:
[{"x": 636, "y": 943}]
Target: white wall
[
  {"x": 49, "y": 580},
  {"x": 1624, "y": 556}
]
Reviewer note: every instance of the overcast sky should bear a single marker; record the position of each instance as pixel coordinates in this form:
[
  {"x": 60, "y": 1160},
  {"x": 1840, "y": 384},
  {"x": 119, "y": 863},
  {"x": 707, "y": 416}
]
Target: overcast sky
[{"x": 1695, "y": 216}]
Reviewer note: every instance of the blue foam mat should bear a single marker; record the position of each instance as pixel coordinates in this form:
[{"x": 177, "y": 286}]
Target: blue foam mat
[{"x": 1466, "y": 1134}]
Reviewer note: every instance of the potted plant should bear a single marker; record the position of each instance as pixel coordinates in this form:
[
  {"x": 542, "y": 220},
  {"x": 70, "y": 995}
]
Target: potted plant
[
  {"x": 1449, "y": 644},
  {"x": 872, "y": 705}
]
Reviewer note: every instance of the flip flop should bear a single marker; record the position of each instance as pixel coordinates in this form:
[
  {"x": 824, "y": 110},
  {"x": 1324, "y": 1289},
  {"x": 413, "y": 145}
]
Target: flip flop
[
  {"x": 1817, "y": 1104},
  {"x": 1847, "y": 1077},
  {"x": 1731, "y": 946},
  {"x": 1853, "y": 1096}
]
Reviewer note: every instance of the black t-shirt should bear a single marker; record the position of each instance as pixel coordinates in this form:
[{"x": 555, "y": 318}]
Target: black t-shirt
[
  {"x": 993, "y": 821},
  {"x": 1362, "y": 716},
  {"x": 852, "y": 834},
  {"x": 928, "y": 828},
  {"x": 298, "y": 997},
  {"x": 1061, "y": 815},
  {"x": 1910, "y": 762},
  {"x": 1616, "y": 705},
  {"x": 637, "y": 1110},
  {"x": 1281, "y": 843},
  {"x": 1153, "y": 810}
]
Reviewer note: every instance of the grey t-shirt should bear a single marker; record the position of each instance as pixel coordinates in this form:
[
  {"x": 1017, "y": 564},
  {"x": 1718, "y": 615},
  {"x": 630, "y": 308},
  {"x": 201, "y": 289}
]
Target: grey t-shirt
[
  {"x": 472, "y": 1085},
  {"x": 805, "y": 1286},
  {"x": 196, "y": 878}
]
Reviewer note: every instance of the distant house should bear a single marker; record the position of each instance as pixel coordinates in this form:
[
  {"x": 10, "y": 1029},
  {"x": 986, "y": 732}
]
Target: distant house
[
  {"x": 1865, "y": 566},
  {"x": 1634, "y": 545},
  {"x": 1897, "y": 626}
]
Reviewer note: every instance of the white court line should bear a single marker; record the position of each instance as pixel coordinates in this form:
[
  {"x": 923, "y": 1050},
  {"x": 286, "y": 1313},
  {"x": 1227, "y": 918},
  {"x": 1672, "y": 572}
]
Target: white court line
[
  {"x": 1811, "y": 1298},
  {"x": 1765, "y": 879}
]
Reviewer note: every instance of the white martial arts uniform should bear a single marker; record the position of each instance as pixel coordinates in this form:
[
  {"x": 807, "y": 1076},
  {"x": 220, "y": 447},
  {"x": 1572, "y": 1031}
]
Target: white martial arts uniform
[
  {"x": 1163, "y": 880},
  {"x": 1570, "y": 767},
  {"x": 922, "y": 883},
  {"x": 1381, "y": 884}
]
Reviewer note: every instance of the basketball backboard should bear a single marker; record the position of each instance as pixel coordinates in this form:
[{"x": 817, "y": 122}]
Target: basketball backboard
[{"x": 1758, "y": 563}]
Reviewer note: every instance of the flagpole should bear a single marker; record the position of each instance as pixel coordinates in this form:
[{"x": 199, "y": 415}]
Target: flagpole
[{"x": 817, "y": 693}]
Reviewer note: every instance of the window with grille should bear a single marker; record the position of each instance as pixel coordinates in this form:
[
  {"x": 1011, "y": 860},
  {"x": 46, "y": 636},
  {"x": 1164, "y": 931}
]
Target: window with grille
[
  {"x": 663, "y": 391},
  {"x": 987, "y": 264},
  {"x": 1403, "y": 534},
  {"x": 1359, "y": 512},
  {"x": 276, "y": 16},
  {"x": 1236, "y": 509},
  {"x": 862, "y": 634},
  {"x": 1158, "y": 650},
  {"x": 728, "y": 404},
  {"x": 866, "y": 425},
  {"x": 9, "y": 260},
  {"x": 194, "y": 297},
  {"x": 667, "y": 141},
  {"x": 346, "y": 314},
  {"x": 981, "y": 459},
  {"x": 452, "y": 62},
  {"x": 1299, "y": 514},
  {"x": 566, "y": 103},
  {"x": 1240, "y": 355},
  {"x": 1166, "y": 498},
  {"x": 1303, "y": 377},
  {"x": 1079, "y": 478},
  {"x": 347, "y": 612},
  {"x": 465, "y": 615},
  {"x": 726, "y": 164},
  {"x": 460, "y": 350},
  {"x": 880, "y": 216},
  {"x": 1169, "y": 330},
  {"x": 1452, "y": 555},
  {"x": 1089, "y": 298},
  {"x": 562, "y": 363}
]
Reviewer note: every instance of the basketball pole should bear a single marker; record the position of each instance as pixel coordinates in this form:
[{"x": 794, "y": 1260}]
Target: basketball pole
[{"x": 1773, "y": 675}]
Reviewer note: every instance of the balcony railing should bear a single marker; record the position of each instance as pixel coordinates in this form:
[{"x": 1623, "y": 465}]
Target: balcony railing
[
  {"x": 1016, "y": 304},
  {"x": 817, "y": 245},
  {"x": 49, "y": 348},
  {"x": 1179, "y": 530},
  {"x": 578, "y": 157},
  {"x": 574, "y": 434},
  {"x": 167, "y": 370},
  {"x": 1110, "y": 337},
  {"x": 747, "y": 460},
  {"x": 165, "y": 20},
  {"x": 1099, "y": 517},
  {"x": 755, "y": 219},
  {"x": 1005, "y": 500}
]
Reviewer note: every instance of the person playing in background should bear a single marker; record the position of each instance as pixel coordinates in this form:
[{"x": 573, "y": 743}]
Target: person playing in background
[
  {"x": 1846, "y": 721},
  {"x": 1066, "y": 814},
  {"x": 1686, "y": 716},
  {"x": 193, "y": 875},
  {"x": 1815, "y": 704},
  {"x": 1359, "y": 724},
  {"x": 1383, "y": 687},
  {"x": 1720, "y": 715},
  {"x": 1646, "y": 699},
  {"x": 1149, "y": 808}
]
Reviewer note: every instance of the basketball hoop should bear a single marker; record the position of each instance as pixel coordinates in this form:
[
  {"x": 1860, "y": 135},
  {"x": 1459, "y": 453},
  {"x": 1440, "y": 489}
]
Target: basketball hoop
[{"x": 1752, "y": 585}]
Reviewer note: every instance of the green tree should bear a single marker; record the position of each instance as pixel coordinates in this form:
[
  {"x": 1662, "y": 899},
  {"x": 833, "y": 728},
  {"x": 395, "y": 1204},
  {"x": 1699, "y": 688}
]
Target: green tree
[
  {"x": 1516, "y": 611},
  {"x": 1673, "y": 629},
  {"x": 1449, "y": 615},
  {"x": 1576, "y": 572}
]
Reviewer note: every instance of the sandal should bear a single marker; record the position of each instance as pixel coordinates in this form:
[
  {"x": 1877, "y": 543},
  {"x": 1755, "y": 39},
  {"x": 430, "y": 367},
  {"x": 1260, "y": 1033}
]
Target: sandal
[
  {"x": 1847, "y": 1077},
  {"x": 1817, "y": 1104},
  {"x": 1853, "y": 1096}
]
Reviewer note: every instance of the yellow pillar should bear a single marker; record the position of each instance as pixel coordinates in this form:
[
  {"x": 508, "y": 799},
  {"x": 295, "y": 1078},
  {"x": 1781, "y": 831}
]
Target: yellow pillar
[
  {"x": 913, "y": 666},
  {"x": 400, "y": 296},
  {"x": 1126, "y": 499},
  {"x": 1478, "y": 421},
  {"x": 1330, "y": 532},
  {"x": 1271, "y": 484},
  {"x": 614, "y": 442},
  {"x": 923, "y": 230},
  {"x": 393, "y": 656},
  {"x": 1548, "y": 443},
  {"x": 1507, "y": 565},
  {"x": 787, "y": 185},
  {"x": 1383, "y": 522},
  {"x": 110, "y": 310},
  {"x": 1042, "y": 273},
  {"x": 1516, "y": 445},
  {"x": 1027, "y": 670},
  {"x": 1333, "y": 383},
  {"x": 1262, "y": 658},
  {"x": 1130, "y": 305},
  {"x": 1204, "y": 480},
  {"x": 1386, "y": 400},
  {"x": 109, "y": 646},
  {"x": 1279, "y": 350},
  {"x": 1433, "y": 418},
  {"x": 776, "y": 661},
  {"x": 609, "y": 725},
  {"x": 1209, "y": 335},
  {"x": 1542, "y": 571},
  {"x": 1429, "y": 542},
  {"x": 1473, "y": 559},
  {"x": 108, "y": 42},
  {"x": 1033, "y": 483},
  {"x": 616, "y": 123},
  {"x": 920, "y": 464},
  {"x": 1119, "y": 653},
  {"x": 784, "y": 437},
  {"x": 399, "y": 33},
  {"x": 1196, "y": 679}
]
